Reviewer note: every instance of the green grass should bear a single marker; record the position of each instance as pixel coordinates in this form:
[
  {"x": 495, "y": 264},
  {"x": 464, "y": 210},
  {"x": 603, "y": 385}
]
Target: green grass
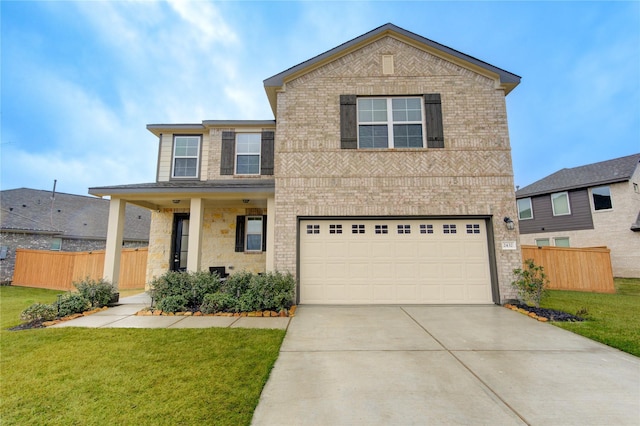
[
  {"x": 129, "y": 376},
  {"x": 612, "y": 319},
  {"x": 14, "y": 300}
]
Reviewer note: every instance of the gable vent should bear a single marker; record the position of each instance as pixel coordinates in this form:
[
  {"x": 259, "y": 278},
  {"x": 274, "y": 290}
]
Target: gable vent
[{"x": 387, "y": 65}]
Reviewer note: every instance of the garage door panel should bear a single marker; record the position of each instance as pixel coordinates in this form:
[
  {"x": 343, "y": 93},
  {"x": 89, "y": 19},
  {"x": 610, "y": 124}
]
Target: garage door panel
[
  {"x": 418, "y": 264},
  {"x": 336, "y": 249},
  {"x": 359, "y": 249}
]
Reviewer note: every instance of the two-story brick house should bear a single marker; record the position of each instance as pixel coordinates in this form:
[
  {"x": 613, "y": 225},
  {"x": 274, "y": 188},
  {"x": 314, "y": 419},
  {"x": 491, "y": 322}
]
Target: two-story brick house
[
  {"x": 587, "y": 206},
  {"x": 386, "y": 177}
]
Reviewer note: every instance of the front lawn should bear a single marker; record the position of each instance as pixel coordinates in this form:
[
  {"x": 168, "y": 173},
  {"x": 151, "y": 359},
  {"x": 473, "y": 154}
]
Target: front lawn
[
  {"x": 612, "y": 319},
  {"x": 129, "y": 376}
]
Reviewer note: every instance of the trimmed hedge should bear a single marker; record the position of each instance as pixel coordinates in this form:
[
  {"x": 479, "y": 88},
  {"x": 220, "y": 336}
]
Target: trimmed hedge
[{"x": 240, "y": 292}]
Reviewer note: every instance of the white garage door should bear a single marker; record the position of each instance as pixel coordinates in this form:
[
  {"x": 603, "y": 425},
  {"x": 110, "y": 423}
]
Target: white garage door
[{"x": 394, "y": 261}]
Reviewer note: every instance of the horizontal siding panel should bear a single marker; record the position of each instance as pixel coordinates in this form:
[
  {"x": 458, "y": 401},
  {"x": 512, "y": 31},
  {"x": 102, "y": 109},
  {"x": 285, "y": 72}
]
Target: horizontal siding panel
[
  {"x": 544, "y": 220},
  {"x": 164, "y": 162}
]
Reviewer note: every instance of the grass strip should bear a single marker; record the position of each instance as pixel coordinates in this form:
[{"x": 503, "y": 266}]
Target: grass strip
[
  {"x": 612, "y": 319},
  {"x": 134, "y": 376}
]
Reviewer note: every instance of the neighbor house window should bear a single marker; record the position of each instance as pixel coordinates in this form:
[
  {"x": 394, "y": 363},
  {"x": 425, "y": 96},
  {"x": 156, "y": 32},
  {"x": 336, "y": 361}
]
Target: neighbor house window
[
  {"x": 56, "y": 244},
  {"x": 525, "y": 211},
  {"x": 560, "y": 203},
  {"x": 254, "y": 233},
  {"x": 248, "y": 153},
  {"x": 390, "y": 123},
  {"x": 186, "y": 151},
  {"x": 601, "y": 198},
  {"x": 542, "y": 242},
  {"x": 561, "y": 241}
]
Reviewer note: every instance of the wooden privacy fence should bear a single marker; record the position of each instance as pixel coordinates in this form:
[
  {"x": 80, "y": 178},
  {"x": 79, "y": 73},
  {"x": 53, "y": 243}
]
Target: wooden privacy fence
[
  {"x": 579, "y": 269},
  {"x": 58, "y": 270}
]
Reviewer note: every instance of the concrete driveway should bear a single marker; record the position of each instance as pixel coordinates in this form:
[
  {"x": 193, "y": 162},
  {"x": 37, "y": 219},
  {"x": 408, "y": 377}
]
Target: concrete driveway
[{"x": 442, "y": 365}]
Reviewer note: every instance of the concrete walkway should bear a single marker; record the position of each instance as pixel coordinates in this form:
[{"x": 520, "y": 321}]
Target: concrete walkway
[
  {"x": 437, "y": 365},
  {"x": 124, "y": 316}
]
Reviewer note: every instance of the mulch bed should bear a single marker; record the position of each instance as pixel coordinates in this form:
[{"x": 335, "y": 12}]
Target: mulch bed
[
  {"x": 27, "y": 326},
  {"x": 542, "y": 314}
]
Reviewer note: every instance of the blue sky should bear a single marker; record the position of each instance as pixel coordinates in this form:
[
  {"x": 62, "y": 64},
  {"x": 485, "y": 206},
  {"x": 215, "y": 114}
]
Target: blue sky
[{"x": 81, "y": 80}]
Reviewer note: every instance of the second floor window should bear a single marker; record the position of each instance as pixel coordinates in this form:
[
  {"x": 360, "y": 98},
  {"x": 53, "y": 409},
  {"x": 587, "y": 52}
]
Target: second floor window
[
  {"x": 390, "y": 123},
  {"x": 601, "y": 198},
  {"x": 524, "y": 209},
  {"x": 560, "y": 203},
  {"x": 186, "y": 151},
  {"x": 248, "y": 153}
]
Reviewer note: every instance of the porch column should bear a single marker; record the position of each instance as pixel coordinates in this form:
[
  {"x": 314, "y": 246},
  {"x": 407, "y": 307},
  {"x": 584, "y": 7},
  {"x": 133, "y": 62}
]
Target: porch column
[
  {"x": 271, "y": 234},
  {"x": 113, "y": 248},
  {"x": 196, "y": 214}
]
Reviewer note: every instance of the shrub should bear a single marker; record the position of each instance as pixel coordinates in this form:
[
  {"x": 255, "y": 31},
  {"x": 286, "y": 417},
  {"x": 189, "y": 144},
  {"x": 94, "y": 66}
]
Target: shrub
[
  {"x": 171, "y": 283},
  {"x": 530, "y": 283},
  {"x": 219, "y": 302},
  {"x": 98, "y": 292},
  {"x": 278, "y": 291},
  {"x": 39, "y": 312},
  {"x": 176, "y": 303},
  {"x": 237, "y": 284},
  {"x": 72, "y": 303},
  {"x": 242, "y": 291},
  {"x": 191, "y": 286}
]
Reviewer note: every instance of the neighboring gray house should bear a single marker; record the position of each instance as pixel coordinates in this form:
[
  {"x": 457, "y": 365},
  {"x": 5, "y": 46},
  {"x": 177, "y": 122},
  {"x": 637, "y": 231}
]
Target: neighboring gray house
[
  {"x": 587, "y": 206},
  {"x": 34, "y": 219}
]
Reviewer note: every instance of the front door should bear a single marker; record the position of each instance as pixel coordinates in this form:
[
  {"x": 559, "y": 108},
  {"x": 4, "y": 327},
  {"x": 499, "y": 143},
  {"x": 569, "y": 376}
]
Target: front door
[{"x": 180, "y": 240}]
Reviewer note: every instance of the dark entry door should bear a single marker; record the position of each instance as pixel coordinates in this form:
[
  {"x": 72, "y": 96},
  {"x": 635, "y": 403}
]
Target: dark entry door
[{"x": 180, "y": 242}]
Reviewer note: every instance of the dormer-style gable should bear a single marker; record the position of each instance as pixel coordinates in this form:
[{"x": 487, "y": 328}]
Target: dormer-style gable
[{"x": 503, "y": 79}]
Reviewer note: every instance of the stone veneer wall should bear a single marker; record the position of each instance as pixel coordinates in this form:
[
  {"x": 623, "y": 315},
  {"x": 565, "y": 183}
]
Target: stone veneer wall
[
  {"x": 611, "y": 229},
  {"x": 472, "y": 175},
  {"x": 218, "y": 242}
]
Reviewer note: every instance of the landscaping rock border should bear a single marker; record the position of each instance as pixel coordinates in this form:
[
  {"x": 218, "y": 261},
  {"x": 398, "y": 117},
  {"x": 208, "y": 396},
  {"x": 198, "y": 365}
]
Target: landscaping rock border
[
  {"x": 542, "y": 314},
  {"x": 283, "y": 313}
]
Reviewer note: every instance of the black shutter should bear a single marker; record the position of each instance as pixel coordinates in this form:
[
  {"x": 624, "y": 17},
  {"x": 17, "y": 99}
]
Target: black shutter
[
  {"x": 240, "y": 220},
  {"x": 348, "y": 122},
  {"x": 227, "y": 156},
  {"x": 433, "y": 112},
  {"x": 266, "y": 153},
  {"x": 264, "y": 232}
]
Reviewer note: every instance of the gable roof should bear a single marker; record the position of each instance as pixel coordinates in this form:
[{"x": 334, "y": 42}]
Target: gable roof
[
  {"x": 66, "y": 215},
  {"x": 602, "y": 173},
  {"x": 508, "y": 81}
]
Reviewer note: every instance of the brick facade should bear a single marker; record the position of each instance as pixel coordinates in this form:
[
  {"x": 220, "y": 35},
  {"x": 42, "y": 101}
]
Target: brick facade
[{"x": 472, "y": 175}]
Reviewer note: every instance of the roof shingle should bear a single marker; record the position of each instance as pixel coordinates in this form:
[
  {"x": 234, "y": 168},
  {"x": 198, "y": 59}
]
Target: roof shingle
[{"x": 610, "y": 171}]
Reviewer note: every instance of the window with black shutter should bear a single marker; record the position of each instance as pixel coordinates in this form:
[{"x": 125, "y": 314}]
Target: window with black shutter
[{"x": 391, "y": 122}]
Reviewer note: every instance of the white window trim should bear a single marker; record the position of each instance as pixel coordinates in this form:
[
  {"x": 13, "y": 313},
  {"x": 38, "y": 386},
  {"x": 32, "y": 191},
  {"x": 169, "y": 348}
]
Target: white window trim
[
  {"x": 593, "y": 203},
  {"x": 174, "y": 157},
  {"x": 236, "y": 155},
  {"x": 561, "y": 238},
  {"x": 542, "y": 239},
  {"x": 389, "y": 122},
  {"x": 553, "y": 206},
  {"x": 246, "y": 234},
  {"x": 530, "y": 208}
]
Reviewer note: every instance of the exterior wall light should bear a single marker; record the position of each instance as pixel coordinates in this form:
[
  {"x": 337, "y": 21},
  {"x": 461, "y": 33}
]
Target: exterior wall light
[
  {"x": 246, "y": 201},
  {"x": 509, "y": 223}
]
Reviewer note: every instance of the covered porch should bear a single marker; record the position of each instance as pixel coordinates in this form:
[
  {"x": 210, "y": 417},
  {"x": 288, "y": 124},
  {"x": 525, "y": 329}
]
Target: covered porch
[{"x": 225, "y": 224}]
